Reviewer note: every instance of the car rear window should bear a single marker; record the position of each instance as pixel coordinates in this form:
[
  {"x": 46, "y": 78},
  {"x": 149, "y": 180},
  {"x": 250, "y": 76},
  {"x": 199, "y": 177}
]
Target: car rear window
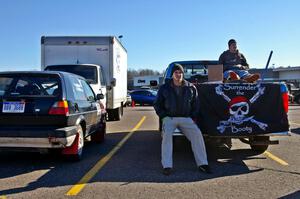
[{"x": 29, "y": 85}]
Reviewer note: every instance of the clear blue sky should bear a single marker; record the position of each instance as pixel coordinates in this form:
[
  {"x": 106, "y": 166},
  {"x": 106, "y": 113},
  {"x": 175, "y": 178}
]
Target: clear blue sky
[{"x": 155, "y": 32}]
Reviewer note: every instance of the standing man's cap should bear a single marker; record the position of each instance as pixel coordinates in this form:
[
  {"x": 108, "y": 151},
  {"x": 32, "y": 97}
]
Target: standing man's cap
[
  {"x": 231, "y": 41},
  {"x": 177, "y": 67}
]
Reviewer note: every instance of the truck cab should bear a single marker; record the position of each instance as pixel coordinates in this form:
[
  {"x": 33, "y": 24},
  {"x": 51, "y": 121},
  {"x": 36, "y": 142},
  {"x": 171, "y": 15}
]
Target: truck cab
[
  {"x": 100, "y": 59},
  {"x": 91, "y": 72}
]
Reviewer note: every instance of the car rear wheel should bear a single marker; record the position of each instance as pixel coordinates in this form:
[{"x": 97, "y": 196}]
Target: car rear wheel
[{"x": 74, "y": 152}]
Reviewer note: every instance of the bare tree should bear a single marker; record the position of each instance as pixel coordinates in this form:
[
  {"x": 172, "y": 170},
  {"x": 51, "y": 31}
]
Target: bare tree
[{"x": 131, "y": 73}]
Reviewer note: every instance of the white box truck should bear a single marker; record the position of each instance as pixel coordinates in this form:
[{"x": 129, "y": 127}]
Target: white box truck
[{"x": 100, "y": 59}]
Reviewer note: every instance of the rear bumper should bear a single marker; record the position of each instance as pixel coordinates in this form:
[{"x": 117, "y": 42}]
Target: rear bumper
[
  {"x": 284, "y": 133},
  {"x": 37, "y": 137}
]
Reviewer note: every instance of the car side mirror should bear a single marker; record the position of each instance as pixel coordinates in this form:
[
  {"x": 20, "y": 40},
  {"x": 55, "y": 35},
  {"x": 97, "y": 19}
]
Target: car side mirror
[
  {"x": 90, "y": 81},
  {"x": 100, "y": 96}
]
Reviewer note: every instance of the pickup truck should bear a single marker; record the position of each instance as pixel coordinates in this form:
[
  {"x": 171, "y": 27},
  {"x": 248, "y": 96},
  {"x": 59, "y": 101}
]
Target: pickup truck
[{"x": 251, "y": 112}]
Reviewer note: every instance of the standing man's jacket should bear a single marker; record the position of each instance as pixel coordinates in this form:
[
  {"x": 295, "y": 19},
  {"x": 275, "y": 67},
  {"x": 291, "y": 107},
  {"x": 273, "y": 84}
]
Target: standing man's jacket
[{"x": 168, "y": 103}]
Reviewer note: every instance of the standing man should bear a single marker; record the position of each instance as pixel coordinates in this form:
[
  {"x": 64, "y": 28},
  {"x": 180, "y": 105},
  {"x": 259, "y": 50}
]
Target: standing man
[
  {"x": 235, "y": 64},
  {"x": 176, "y": 104}
]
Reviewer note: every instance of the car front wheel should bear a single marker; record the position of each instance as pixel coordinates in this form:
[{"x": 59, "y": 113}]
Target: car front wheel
[{"x": 99, "y": 135}]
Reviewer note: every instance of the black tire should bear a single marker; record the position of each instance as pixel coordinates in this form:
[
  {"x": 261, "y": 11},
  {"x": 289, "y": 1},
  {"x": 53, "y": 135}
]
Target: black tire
[
  {"x": 114, "y": 114},
  {"x": 110, "y": 115},
  {"x": 122, "y": 109},
  {"x": 159, "y": 125},
  {"x": 99, "y": 135},
  {"x": 117, "y": 114},
  {"x": 79, "y": 143},
  {"x": 260, "y": 148},
  {"x": 297, "y": 99}
]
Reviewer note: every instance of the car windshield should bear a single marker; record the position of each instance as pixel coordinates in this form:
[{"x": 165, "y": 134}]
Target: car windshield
[
  {"x": 22, "y": 85},
  {"x": 89, "y": 72}
]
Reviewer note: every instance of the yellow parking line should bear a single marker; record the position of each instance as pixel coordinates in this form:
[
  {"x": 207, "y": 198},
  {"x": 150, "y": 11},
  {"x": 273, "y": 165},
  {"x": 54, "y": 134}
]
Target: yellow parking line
[
  {"x": 275, "y": 158},
  {"x": 91, "y": 173},
  {"x": 3, "y": 197},
  {"x": 294, "y": 123}
]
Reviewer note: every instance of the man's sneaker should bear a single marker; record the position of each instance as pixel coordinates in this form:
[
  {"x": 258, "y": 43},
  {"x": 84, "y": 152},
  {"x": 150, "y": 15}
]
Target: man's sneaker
[
  {"x": 252, "y": 78},
  {"x": 167, "y": 171},
  {"x": 233, "y": 76},
  {"x": 204, "y": 168}
]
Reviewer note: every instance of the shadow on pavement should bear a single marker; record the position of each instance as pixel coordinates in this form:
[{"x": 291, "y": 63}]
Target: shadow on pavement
[
  {"x": 296, "y": 130},
  {"x": 137, "y": 161},
  {"x": 140, "y": 160},
  {"x": 293, "y": 195}
]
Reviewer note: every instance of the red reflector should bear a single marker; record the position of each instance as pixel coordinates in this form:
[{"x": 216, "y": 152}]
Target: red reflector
[
  {"x": 285, "y": 99},
  {"x": 59, "y": 108}
]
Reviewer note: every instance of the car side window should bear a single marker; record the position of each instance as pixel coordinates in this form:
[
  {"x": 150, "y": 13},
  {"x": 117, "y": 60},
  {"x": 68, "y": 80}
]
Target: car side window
[
  {"x": 88, "y": 91},
  {"x": 78, "y": 89}
]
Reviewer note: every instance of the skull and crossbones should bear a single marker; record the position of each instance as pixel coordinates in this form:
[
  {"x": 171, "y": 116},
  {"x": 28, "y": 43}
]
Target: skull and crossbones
[{"x": 239, "y": 109}]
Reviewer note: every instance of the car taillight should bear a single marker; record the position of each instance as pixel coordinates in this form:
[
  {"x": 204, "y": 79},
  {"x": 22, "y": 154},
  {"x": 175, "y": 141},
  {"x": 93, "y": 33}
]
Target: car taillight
[
  {"x": 285, "y": 97},
  {"x": 59, "y": 108}
]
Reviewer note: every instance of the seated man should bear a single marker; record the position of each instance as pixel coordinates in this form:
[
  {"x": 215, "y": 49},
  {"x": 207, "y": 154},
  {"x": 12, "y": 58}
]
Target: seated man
[
  {"x": 235, "y": 64},
  {"x": 176, "y": 104}
]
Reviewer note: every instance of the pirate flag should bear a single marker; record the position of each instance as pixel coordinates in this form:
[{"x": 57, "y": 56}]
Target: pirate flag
[{"x": 241, "y": 109}]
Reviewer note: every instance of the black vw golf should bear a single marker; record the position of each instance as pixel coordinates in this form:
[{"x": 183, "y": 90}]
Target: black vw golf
[{"x": 48, "y": 109}]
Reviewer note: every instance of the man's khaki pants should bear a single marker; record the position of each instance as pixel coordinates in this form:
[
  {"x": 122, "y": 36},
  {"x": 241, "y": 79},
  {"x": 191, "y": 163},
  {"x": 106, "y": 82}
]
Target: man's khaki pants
[{"x": 191, "y": 131}]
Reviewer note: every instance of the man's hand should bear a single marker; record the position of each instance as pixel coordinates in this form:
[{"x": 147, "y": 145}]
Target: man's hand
[{"x": 245, "y": 67}]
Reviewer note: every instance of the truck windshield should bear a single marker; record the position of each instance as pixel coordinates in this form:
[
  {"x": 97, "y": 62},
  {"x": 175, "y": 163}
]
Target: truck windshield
[{"x": 89, "y": 72}]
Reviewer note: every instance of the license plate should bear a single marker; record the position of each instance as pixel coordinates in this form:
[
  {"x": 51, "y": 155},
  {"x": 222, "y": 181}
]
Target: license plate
[{"x": 13, "y": 107}]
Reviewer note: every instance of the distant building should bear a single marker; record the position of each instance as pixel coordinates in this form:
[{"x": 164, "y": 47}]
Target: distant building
[
  {"x": 146, "y": 80},
  {"x": 288, "y": 74}
]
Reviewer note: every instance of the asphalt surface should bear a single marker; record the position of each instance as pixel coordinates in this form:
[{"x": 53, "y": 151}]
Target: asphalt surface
[{"x": 132, "y": 169}]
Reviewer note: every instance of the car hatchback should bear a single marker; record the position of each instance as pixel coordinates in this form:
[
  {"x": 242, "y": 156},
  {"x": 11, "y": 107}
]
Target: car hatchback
[{"x": 48, "y": 110}]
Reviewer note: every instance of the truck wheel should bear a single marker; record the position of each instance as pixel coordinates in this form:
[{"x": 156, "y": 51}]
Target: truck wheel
[
  {"x": 74, "y": 152},
  {"x": 159, "y": 125},
  {"x": 117, "y": 114},
  {"x": 260, "y": 148},
  {"x": 297, "y": 99},
  {"x": 99, "y": 135},
  {"x": 122, "y": 109},
  {"x": 110, "y": 115}
]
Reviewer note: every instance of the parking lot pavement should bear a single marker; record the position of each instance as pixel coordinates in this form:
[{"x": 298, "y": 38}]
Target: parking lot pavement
[{"x": 134, "y": 171}]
